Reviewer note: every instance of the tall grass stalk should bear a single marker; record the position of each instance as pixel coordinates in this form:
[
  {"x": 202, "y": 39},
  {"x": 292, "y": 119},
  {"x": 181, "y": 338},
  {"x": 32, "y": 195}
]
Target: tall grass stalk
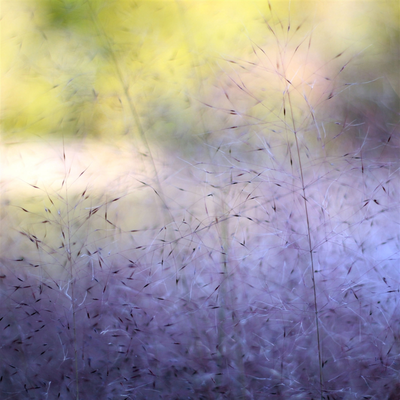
[
  {"x": 132, "y": 109},
  {"x": 303, "y": 188}
]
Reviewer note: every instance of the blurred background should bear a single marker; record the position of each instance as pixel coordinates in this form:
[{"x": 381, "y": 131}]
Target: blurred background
[
  {"x": 68, "y": 66},
  {"x": 123, "y": 88}
]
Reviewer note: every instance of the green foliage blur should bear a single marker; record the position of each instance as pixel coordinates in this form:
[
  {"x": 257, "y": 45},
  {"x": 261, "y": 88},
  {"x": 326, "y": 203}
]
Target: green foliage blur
[{"x": 101, "y": 68}]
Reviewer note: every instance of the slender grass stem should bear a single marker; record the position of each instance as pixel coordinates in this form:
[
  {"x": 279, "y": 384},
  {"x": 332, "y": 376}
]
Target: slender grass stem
[{"x": 310, "y": 248}]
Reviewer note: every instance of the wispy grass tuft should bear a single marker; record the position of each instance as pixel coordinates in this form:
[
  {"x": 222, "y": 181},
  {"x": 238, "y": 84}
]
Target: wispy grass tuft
[{"x": 274, "y": 275}]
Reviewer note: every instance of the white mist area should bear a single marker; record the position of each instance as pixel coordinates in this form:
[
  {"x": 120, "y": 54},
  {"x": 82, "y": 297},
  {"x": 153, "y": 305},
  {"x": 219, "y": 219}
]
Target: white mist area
[
  {"x": 50, "y": 180},
  {"x": 82, "y": 164}
]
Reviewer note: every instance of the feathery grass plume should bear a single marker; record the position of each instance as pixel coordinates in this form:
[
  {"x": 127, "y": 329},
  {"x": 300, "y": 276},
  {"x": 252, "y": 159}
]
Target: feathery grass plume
[{"x": 261, "y": 265}]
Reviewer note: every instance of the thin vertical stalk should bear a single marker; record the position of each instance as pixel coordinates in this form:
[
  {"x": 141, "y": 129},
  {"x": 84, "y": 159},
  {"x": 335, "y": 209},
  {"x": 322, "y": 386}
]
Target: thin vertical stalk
[
  {"x": 133, "y": 111},
  {"x": 321, "y": 381},
  {"x": 72, "y": 280},
  {"x": 310, "y": 248}
]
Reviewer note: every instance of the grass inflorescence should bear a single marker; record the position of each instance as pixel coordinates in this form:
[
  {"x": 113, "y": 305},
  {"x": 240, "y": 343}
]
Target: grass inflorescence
[{"x": 265, "y": 265}]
